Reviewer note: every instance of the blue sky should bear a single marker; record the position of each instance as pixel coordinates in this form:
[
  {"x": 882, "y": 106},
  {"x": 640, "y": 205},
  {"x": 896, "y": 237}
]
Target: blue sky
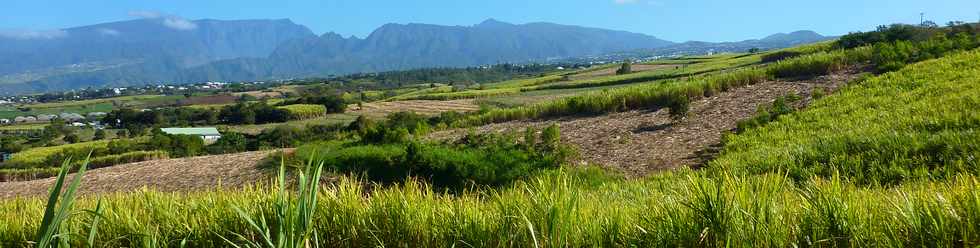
[{"x": 676, "y": 20}]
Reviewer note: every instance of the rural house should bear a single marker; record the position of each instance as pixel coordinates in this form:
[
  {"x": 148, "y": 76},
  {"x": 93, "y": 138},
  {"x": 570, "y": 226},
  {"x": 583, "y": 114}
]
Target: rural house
[{"x": 208, "y": 134}]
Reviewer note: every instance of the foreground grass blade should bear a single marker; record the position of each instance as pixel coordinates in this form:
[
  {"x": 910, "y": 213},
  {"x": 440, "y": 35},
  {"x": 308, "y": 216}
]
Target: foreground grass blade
[
  {"x": 293, "y": 218},
  {"x": 59, "y": 205}
]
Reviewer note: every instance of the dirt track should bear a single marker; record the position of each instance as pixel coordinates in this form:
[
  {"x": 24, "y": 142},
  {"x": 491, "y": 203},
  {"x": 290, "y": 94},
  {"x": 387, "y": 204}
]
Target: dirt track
[
  {"x": 638, "y": 143},
  {"x": 169, "y": 175}
]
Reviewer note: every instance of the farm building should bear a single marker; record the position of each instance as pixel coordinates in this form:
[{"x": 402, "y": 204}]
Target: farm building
[
  {"x": 46, "y": 118},
  {"x": 25, "y": 119},
  {"x": 208, "y": 134}
]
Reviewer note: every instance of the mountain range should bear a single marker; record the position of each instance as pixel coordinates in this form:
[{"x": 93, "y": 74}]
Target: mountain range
[{"x": 174, "y": 50}]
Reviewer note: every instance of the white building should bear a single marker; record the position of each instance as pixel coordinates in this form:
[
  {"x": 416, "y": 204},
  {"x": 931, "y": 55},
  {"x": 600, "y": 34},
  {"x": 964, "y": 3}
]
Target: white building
[{"x": 208, "y": 134}]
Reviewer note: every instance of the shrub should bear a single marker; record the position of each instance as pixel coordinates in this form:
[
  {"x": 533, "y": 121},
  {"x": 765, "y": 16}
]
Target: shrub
[
  {"x": 71, "y": 138},
  {"x": 178, "y": 145},
  {"x": 229, "y": 143},
  {"x": 768, "y": 113},
  {"x": 626, "y": 68},
  {"x": 891, "y": 56},
  {"x": 99, "y": 134},
  {"x": 282, "y": 136}
]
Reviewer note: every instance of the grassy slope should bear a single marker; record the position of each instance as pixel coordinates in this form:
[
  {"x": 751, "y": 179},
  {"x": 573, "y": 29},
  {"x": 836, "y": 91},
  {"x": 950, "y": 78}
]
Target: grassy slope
[
  {"x": 681, "y": 208},
  {"x": 919, "y": 122}
]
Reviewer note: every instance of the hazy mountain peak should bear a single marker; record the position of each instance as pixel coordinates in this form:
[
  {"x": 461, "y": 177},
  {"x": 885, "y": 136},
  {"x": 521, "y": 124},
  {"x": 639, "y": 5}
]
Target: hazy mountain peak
[
  {"x": 802, "y": 35},
  {"x": 490, "y": 23}
]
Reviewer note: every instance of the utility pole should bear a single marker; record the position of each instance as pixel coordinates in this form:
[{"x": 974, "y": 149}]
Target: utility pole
[{"x": 922, "y": 18}]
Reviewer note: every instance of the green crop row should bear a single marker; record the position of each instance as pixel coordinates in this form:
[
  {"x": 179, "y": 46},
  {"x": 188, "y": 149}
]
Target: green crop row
[{"x": 305, "y": 111}]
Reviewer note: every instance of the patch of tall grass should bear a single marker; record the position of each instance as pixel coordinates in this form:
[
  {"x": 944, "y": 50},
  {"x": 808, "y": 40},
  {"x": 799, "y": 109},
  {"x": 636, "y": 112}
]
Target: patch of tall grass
[
  {"x": 820, "y": 63},
  {"x": 557, "y": 208},
  {"x": 305, "y": 111},
  {"x": 38, "y": 155}
]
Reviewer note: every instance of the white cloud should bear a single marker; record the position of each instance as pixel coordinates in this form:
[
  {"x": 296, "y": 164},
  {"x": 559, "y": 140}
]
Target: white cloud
[
  {"x": 624, "y": 1},
  {"x": 33, "y": 34},
  {"x": 170, "y": 21},
  {"x": 109, "y": 31},
  {"x": 179, "y": 23}
]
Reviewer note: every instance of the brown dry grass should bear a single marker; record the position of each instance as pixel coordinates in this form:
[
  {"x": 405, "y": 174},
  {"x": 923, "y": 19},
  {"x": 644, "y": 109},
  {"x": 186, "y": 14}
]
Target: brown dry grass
[
  {"x": 642, "y": 142},
  {"x": 208, "y": 100},
  {"x": 426, "y": 107},
  {"x": 168, "y": 175}
]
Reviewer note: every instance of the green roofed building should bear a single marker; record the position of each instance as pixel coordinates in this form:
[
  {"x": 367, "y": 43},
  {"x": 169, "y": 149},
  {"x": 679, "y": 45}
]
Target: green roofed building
[{"x": 208, "y": 134}]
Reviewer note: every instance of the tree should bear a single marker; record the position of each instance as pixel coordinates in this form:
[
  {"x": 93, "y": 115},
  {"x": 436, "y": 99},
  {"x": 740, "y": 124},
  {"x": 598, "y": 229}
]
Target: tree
[
  {"x": 754, "y": 50},
  {"x": 71, "y": 138},
  {"x": 678, "y": 105},
  {"x": 626, "y": 68},
  {"x": 121, "y": 133},
  {"x": 361, "y": 125},
  {"x": 10, "y": 145},
  {"x": 229, "y": 143},
  {"x": 99, "y": 135}
]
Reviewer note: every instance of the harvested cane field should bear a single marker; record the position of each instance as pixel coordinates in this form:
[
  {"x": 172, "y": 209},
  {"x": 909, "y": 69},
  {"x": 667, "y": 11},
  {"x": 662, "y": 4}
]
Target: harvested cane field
[{"x": 168, "y": 175}]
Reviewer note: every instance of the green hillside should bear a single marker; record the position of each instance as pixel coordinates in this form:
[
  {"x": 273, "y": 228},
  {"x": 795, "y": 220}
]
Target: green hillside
[{"x": 888, "y": 160}]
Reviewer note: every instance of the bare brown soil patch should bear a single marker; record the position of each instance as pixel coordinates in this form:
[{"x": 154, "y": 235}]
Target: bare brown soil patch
[
  {"x": 428, "y": 107},
  {"x": 208, "y": 100},
  {"x": 641, "y": 142},
  {"x": 168, "y": 175}
]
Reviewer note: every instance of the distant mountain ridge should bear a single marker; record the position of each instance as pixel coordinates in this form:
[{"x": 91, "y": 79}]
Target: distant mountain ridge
[
  {"x": 169, "y": 50},
  {"x": 408, "y": 46},
  {"x": 195, "y": 43},
  {"x": 775, "y": 41}
]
